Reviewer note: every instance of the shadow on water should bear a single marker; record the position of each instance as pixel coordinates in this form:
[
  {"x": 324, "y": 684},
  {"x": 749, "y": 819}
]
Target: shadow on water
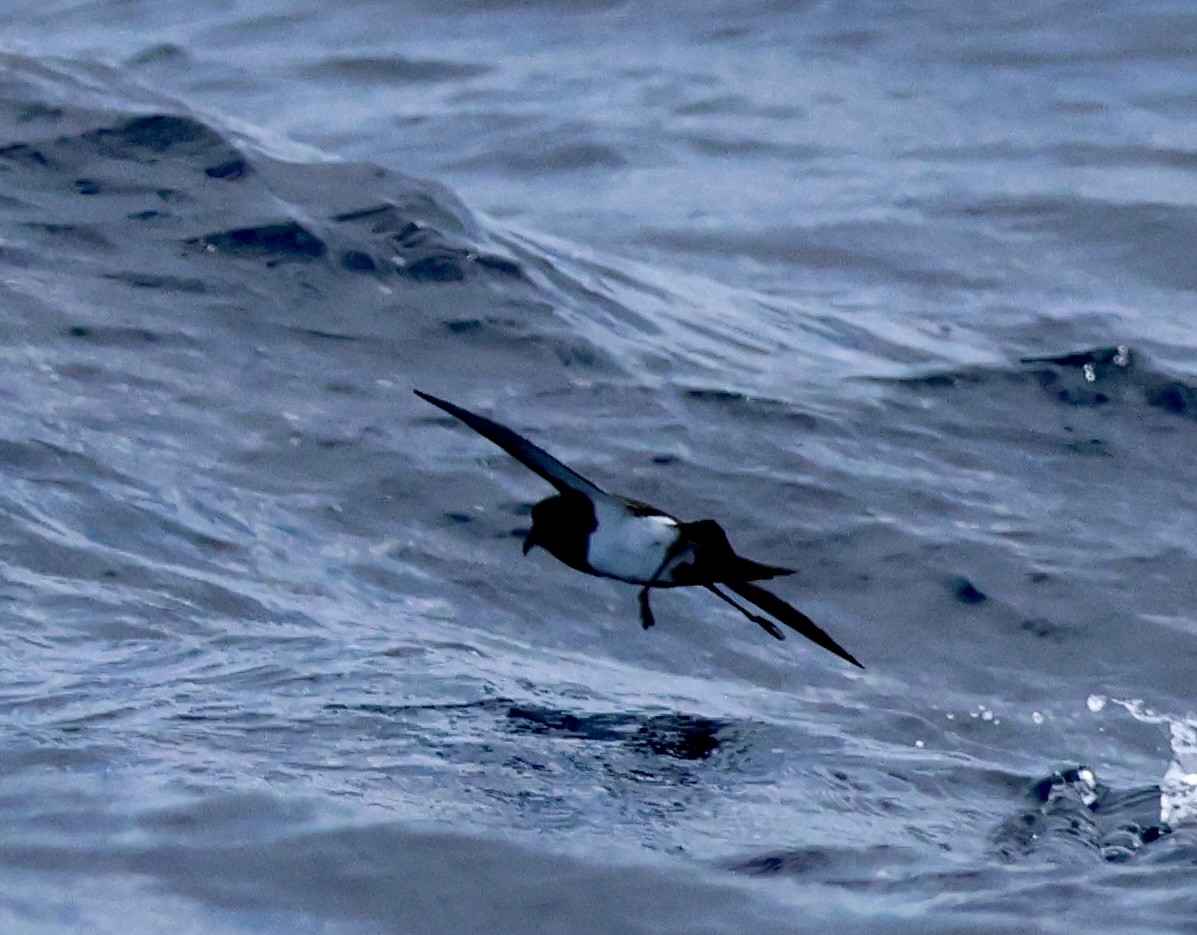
[
  {"x": 678, "y": 736},
  {"x": 675, "y": 736}
]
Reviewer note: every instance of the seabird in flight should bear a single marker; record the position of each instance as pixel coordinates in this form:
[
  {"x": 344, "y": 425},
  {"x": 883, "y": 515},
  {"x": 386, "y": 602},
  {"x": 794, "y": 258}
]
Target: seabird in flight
[{"x": 615, "y": 537}]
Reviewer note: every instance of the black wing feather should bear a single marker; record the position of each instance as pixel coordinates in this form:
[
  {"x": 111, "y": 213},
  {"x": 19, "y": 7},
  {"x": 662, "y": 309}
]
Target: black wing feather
[{"x": 565, "y": 479}]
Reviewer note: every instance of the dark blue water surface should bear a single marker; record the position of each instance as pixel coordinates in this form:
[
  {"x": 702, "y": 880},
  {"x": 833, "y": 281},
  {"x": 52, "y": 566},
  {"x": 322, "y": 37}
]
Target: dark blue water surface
[{"x": 904, "y": 294}]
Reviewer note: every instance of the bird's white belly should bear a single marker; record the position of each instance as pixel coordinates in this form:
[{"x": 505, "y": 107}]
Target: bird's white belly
[{"x": 630, "y": 548}]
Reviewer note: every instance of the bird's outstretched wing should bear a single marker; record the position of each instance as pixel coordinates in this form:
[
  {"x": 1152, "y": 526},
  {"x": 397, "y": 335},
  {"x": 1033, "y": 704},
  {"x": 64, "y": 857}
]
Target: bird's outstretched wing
[
  {"x": 565, "y": 479},
  {"x": 792, "y": 617}
]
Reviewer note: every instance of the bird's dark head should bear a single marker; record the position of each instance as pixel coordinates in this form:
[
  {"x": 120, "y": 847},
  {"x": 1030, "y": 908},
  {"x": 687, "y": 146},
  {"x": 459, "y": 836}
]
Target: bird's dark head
[{"x": 561, "y": 525}]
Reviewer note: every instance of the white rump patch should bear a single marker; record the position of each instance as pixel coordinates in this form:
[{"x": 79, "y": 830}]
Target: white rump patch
[{"x": 628, "y": 547}]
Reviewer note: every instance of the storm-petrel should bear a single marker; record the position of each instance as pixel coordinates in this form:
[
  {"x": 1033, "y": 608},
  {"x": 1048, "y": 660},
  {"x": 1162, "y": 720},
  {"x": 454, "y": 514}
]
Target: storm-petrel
[{"x": 615, "y": 537}]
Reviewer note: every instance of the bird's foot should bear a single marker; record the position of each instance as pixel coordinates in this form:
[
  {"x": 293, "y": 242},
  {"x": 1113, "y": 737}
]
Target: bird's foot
[{"x": 767, "y": 625}]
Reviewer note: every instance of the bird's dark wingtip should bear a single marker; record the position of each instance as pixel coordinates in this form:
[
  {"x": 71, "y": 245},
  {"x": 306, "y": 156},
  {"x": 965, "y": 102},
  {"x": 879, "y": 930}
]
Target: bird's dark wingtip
[
  {"x": 564, "y": 478},
  {"x": 838, "y": 650}
]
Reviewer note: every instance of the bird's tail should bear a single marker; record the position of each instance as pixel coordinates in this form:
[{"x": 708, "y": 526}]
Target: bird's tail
[
  {"x": 790, "y": 616},
  {"x": 719, "y": 559}
]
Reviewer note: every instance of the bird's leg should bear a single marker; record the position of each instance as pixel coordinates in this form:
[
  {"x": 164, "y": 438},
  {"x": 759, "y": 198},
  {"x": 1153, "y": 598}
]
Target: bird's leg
[
  {"x": 646, "y": 612},
  {"x": 766, "y": 625}
]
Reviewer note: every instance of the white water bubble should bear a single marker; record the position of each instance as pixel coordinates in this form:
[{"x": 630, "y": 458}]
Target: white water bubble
[{"x": 1178, "y": 788}]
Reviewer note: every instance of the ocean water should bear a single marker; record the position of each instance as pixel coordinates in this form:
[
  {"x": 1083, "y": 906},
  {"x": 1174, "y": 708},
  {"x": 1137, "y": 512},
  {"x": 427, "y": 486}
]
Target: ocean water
[{"x": 903, "y": 294}]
